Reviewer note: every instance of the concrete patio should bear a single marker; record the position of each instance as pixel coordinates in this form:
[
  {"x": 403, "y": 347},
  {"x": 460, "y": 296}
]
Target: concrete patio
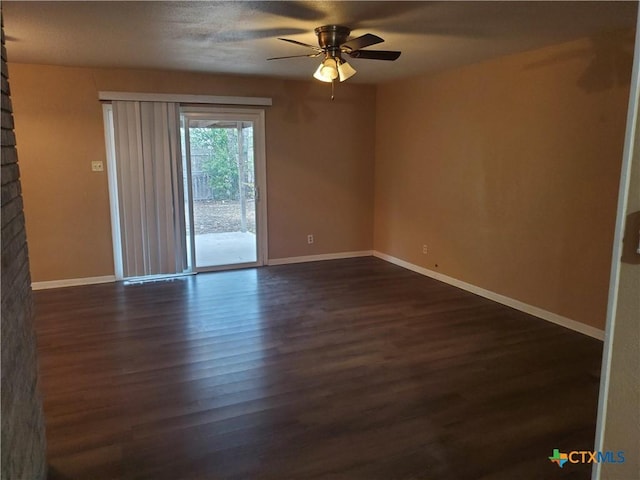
[{"x": 229, "y": 248}]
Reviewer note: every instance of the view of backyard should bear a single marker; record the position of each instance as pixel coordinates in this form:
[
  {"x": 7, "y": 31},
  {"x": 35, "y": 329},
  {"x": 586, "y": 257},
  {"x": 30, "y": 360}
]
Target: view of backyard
[
  {"x": 222, "y": 190},
  {"x": 219, "y": 216}
]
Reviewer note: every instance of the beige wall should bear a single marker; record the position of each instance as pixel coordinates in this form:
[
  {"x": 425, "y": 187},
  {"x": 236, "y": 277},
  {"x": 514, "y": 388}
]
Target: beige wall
[
  {"x": 319, "y": 161},
  {"x": 508, "y": 170}
]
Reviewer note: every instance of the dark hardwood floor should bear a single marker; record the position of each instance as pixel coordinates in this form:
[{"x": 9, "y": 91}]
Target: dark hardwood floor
[{"x": 346, "y": 369}]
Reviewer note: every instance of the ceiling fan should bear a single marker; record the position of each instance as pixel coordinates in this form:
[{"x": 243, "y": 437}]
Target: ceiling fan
[{"x": 333, "y": 43}]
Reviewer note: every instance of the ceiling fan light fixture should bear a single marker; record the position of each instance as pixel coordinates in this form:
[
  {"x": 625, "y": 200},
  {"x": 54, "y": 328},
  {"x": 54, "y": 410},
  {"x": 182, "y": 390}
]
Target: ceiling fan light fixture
[
  {"x": 327, "y": 71},
  {"x": 345, "y": 71},
  {"x": 318, "y": 75},
  {"x": 333, "y": 41}
]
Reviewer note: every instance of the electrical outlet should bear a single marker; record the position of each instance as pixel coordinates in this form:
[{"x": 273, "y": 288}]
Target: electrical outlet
[
  {"x": 97, "y": 166},
  {"x": 424, "y": 249},
  {"x": 309, "y": 239}
]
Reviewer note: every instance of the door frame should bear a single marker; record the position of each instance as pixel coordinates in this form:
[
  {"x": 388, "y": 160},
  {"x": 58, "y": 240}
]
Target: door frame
[{"x": 257, "y": 116}]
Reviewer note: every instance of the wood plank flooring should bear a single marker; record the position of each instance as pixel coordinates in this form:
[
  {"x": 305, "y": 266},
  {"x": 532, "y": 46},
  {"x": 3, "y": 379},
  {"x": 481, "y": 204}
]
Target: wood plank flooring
[{"x": 346, "y": 369}]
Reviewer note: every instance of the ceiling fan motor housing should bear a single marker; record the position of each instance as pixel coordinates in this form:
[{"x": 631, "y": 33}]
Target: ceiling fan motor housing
[{"x": 330, "y": 37}]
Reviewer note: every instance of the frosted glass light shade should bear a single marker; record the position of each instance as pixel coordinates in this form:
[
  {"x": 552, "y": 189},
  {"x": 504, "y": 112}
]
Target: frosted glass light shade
[
  {"x": 345, "y": 71},
  {"x": 327, "y": 71}
]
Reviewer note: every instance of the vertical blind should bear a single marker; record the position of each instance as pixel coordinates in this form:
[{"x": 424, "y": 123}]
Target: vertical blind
[{"x": 150, "y": 187}]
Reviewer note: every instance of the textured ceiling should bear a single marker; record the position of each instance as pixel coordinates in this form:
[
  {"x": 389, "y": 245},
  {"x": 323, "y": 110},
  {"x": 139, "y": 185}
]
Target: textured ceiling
[{"x": 237, "y": 36}]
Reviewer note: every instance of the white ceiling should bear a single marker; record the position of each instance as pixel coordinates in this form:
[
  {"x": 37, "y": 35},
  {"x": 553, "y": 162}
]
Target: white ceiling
[{"x": 236, "y": 37}]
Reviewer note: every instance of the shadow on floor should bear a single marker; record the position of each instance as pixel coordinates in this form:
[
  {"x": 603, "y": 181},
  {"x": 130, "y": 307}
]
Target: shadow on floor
[{"x": 54, "y": 474}]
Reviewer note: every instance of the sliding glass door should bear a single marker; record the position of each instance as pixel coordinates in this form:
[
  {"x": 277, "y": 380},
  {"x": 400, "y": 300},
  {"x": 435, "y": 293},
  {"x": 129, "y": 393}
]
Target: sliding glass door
[{"x": 224, "y": 176}]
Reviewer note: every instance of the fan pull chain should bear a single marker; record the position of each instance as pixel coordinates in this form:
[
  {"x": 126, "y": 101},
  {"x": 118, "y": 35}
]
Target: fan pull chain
[{"x": 333, "y": 82}]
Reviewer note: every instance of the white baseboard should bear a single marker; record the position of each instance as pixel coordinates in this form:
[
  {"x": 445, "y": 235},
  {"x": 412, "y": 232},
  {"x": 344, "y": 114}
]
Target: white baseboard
[
  {"x": 496, "y": 297},
  {"x": 317, "y": 258},
  {"x": 72, "y": 282}
]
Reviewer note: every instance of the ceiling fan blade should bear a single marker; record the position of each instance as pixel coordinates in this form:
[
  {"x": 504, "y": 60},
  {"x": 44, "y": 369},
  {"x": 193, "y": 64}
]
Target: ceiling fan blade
[
  {"x": 296, "y": 56},
  {"x": 365, "y": 40},
  {"x": 300, "y": 43},
  {"x": 375, "y": 54}
]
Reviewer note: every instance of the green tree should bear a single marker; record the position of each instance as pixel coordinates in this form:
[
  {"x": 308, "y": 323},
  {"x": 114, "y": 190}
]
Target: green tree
[{"x": 221, "y": 145}]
